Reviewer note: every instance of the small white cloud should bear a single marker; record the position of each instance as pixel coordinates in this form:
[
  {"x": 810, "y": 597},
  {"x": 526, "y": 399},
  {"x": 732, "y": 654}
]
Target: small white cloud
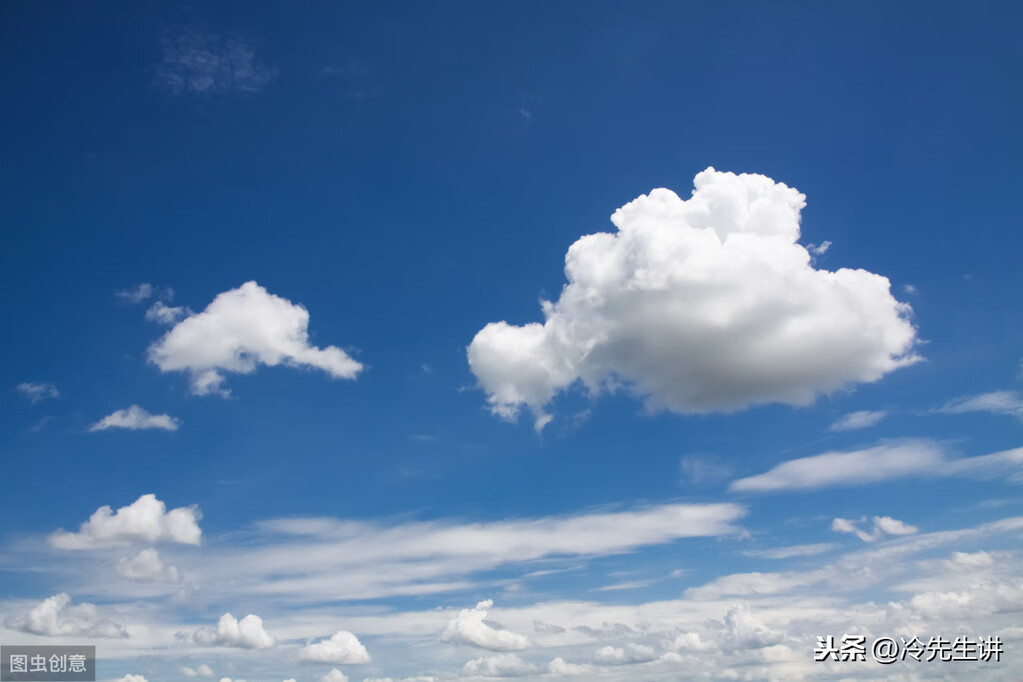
[
  {"x": 247, "y": 633},
  {"x": 57, "y": 617},
  {"x": 334, "y": 675},
  {"x": 162, "y": 313},
  {"x": 207, "y": 64},
  {"x": 36, "y": 393},
  {"x": 202, "y": 671},
  {"x": 883, "y": 525},
  {"x": 134, "y": 419},
  {"x": 702, "y": 305},
  {"x": 560, "y": 668},
  {"x": 819, "y": 249},
  {"x": 502, "y": 665},
  {"x": 630, "y": 653},
  {"x": 998, "y": 402},
  {"x": 470, "y": 627},
  {"x": 858, "y": 420},
  {"x": 144, "y": 520},
  {"x": 147, "y": 566},
  {"x": 909, "y": 289},
  {"x": 137, "y": 294},
  {"x": 240, "y": 330},
  {"x": 690, "y": 641},
  {"x": 342, "y": 648},
  {"x": 132, "y": 678}
]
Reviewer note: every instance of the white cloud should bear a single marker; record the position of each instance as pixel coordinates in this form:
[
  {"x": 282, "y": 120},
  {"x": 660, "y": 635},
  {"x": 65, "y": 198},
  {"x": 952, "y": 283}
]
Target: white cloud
[
  {"x": 37, "y": 392},
  {"x": 138, "y": 294},
  {"x": 470, "y": 627},
  {"x": 202, "y": 671},
  {"x": 1007, "y": 403},
  {"x": 501, "y": 665},
  {"x": 240, "y": 330},
  {"x": 247, "y": 633},
  {"x": 357, "y": 560},
  {"x": 819, "y": 249},
  {"x": 889, "y": 461},
  {"x": 135, "y": 418},
  {"x": 209, "y": 64},
  {"x": 144, "y": 520},
  {"x": 132, "y": 678},
  {"x": 147, "y": 566},
  {"x": 334, "y": 675},
  {"x": 559, "y": 667},
  {"x": 57, "y": 617},
  {"x": 162, "y": 313},
  {"x": 630, "y": 653},
  {"x": 342, "y": 648},
  {"x": 883, "y": 525},
  {"x": 858, "y": 420},
  {"x": 890, "y": 526},
  {"x": 791, "y": 551},
  {"x": 881, "y": 463},
  {"x": 403, "y": 679},
  {"x": 697, "y": 306}
]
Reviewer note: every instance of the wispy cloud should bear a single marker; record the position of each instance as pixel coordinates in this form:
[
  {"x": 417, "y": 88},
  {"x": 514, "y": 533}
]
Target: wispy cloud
[
  {"x": 791, "y": 551},
  {"x": 1008, "y": 403},
  {"x": 886, "y": 462},
  {"x": 858, "y": 420},
  {"x": 37, "y": 392},
  {"x": 211, "y": 64}
]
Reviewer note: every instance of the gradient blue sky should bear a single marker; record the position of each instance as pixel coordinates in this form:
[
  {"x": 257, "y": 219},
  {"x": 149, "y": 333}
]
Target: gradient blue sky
[{"x": 409, "y": 173}]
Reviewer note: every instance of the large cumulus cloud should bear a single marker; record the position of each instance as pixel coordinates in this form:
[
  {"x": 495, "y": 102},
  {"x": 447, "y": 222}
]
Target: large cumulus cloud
[{"x": 699, "y": 305}]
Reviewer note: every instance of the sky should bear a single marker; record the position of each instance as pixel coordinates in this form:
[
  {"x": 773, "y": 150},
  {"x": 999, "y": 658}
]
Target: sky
[{"x": 460, "y": 341}]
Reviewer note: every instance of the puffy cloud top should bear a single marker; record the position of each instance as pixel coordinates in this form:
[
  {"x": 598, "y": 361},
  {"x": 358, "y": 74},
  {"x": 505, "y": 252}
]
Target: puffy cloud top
[
  {"x": 470, "y": 627},
  {"x": 247, "y": 633},
  {"x": 144, "y": 520},
  {"x": 343, "y": 647},
  {"x": 240, "y": 330},
  {"x": 699, "y": 305}
]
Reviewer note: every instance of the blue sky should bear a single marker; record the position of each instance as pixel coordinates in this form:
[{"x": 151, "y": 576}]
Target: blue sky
[{"x": 258, "y": 258}]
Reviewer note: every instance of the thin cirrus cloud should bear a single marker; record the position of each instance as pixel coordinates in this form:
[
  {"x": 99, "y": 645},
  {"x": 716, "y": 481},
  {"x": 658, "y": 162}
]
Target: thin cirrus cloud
[
  {"x": 858, "y": 420},
  {"x": 1007, "y": 403},
  {"x": 37, "y": 392},
  {"x": 239, "y": 331},
  {"x": 144, "y": 520},
  {"x": 885, "y": 462},
  {"x": 208, "y": 64},
  {"x": 135, "y": 418},
  {"x": 700, "y": 305},
  {"x": 355, "y": 560}
]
